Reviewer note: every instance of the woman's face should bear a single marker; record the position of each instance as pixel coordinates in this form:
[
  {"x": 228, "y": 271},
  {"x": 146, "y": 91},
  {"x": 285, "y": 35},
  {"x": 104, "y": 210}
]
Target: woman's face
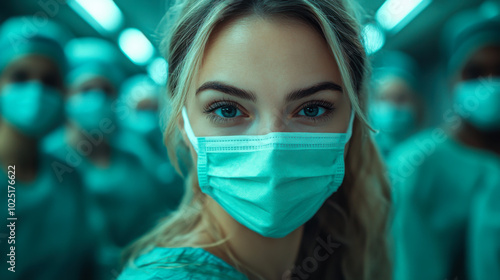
[{"x": 260, "y": 76}]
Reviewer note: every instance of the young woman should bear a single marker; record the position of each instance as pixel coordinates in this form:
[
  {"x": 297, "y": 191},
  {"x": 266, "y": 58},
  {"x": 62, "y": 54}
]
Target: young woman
[{"x": 285, "y": 182}]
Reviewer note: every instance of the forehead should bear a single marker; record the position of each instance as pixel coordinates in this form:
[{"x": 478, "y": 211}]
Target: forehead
[
  {"x": 271, "y": 51},
  {"x": 95, "y": 82}
]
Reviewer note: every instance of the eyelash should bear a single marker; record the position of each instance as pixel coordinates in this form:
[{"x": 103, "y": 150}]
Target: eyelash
[
  {"x": 328, "y": 106},
  {"x": 210, "y": 108}
]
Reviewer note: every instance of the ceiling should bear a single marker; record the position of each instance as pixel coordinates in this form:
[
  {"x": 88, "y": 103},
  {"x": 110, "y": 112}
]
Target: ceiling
[
  {"x": 136, "y": 14},
  {"x": 419, "y": 38}
]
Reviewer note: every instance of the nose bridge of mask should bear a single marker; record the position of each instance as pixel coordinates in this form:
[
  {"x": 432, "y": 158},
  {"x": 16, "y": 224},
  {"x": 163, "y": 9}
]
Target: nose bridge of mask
[
  {"x": 34, "y": 91},
  {"x": 391, "y": 118},
  {"x": 477, "y": 101},
  {"x": 94, "y": 99},
  {"x": 194, "y": 141},
  {"x": 36, "y": 85},
  {"x": 26, "y": 100},
  {"x": 32, "y": 107}
]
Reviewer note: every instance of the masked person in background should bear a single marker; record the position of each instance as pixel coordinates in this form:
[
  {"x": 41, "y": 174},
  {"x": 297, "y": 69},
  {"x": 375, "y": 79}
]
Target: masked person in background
[
  {"x": 118, "y": 186},
  {"x": 142, "y": 136},
  {"x": 285, "y": 180},
  {"x": 49, "y": 239},
  {"x": 481, "y": 82},
  {"x": 395, "y": 106},
  {"x": 438, "y": 174}
]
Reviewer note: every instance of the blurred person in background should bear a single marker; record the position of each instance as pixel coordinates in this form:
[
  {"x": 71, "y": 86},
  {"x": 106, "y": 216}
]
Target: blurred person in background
[
  {"x": 142, "y": 136},
  {"x": 483, "y": 131},
  {"x": 440, "y": 173},
  {"x": 119, "y": 188},
  {"x": 395, "y": 108},
  {"x": 51, "y": 231}
]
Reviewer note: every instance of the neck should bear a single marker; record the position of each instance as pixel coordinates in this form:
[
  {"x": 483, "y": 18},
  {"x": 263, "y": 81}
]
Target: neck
[
  {"x": 19, "y": 150},
  {"x": 475, "y": 138},
  {"x": 269, "y": 258}
]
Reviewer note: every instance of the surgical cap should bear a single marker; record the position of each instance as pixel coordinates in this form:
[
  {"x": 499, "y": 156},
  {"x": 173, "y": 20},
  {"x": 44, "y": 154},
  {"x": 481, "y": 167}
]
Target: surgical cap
[
  {"x": 23, "y": 36},
  {"x": 92, "y": 70},
  {"x": 466, "y": 33},
  {"x": 91, "y": 58},
  {"x": 395, "y": 64}
]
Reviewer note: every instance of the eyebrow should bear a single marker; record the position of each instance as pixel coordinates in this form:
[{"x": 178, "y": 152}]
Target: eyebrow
[
  {"x": 301, "y": 93},
  {"x": 225, "y": 88},
  {"x": 249, "y": 95}
]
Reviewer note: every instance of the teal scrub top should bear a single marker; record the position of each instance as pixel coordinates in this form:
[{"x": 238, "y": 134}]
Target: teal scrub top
[
  {"x": 53, "y": 239},
  {"x": 435, "y": 180},
  {"x": 180, "y": 263},
  {"x": 124, "y": 199}
]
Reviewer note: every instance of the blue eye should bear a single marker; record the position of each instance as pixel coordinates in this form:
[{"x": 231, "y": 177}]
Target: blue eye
[
  {"x": 228, "y": 112},
  {"x": 312, "y": 111}
]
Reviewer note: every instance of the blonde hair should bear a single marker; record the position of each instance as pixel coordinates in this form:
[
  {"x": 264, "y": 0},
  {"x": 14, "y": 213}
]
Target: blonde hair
[{"x": 357, "y": 214}]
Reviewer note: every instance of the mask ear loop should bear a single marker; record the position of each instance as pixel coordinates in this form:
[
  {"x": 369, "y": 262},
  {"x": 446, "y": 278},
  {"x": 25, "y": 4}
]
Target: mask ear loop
[{"x": 189, "y": 130}]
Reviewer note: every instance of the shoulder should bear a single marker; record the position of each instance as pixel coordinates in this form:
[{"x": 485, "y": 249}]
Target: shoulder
[
  {"x": 433, "y": 164},
  {"x": 435, "y": 142},
  {"x": 421, "y": 146},
  {"x": 432, "y": 149},
  {"x": 180, "y": 263},
  {"x": 411, "y": 158}
]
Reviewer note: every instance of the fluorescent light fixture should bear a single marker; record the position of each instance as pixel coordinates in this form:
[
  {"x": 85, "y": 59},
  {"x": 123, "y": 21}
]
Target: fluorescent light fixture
[
  {"x": 490, "y": 9},
  {"x": 373, "y": 38},
  {"x": 102, "y": 15},
  {"x": 393, "y": 15},
  {"x": 136, "y": 46},
  {"x": 157, "y": 70}
]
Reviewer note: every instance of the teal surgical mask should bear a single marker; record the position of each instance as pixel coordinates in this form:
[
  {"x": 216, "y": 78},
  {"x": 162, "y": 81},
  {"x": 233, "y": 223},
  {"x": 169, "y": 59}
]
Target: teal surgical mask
[
  {"x": 90, "y": 109},
  {"x": 32, "y": 107},
  {"x": 393, "y": 119},
  {"x": 273, "y": 183},
  {"x": 478, "y": 103},
  {"x": 394, "y": 124}
]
